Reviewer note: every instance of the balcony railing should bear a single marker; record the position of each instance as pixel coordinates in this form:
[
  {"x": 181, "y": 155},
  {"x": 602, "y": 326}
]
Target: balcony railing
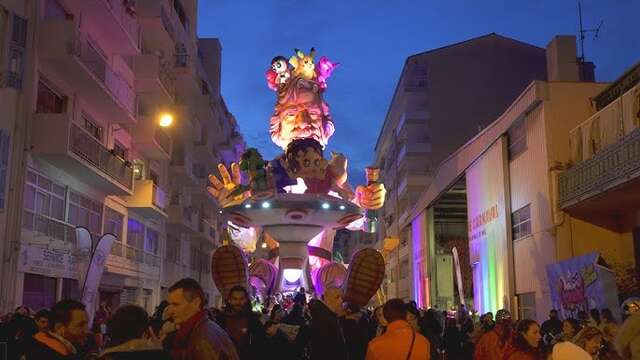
[
  {"x": 163, "y": 139},
  {"x": 55, "y": 229},
  {"x": 609, "y": 166},
  {"x": 159, "y": 198},
  {"x": 125, "y": 15},
  {"x": 91, "y": 150},
  {"x": 118, "y": 87},
  {"x": 134, "y": 254}
]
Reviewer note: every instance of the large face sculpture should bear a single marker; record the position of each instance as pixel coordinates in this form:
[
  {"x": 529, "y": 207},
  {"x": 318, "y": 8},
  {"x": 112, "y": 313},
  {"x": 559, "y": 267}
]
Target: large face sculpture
[{"x": 300, "y": 113}]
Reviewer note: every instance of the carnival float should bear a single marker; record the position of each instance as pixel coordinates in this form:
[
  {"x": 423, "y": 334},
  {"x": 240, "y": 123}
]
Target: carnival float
[{"x": 299, "y": 199}]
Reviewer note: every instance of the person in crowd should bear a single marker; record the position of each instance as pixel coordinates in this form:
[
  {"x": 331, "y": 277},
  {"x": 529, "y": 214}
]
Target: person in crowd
[
  {"x": 277, "y": 313},
  {"x": 295, "y": 316},
  {"x": 130, "y": 338},
  {"x": 301, "y": 297},
  {"x": 413, "y": 317},
  {"x": 197, "y": 337},
  {"x": 400, "y": 341},
  {"x": 452, "y": 340},
  {"x": 607, "y": 318},
  {"x": 156, "y": 320},
  {"x": 430, "y": 328},
  {"x": 276, "y": 344},
  {"x": 17, "y": 332},
  {"x": 570, "y": 328},
  {"x": 590, "y": 340},
  {"x": 355, "y": 327},
  {"x": 264, "y": 316},
  {"x": 552, "y": 327},
  {"x": 526, "y": 342},
  {"x": 492, "y": 344},
  {"x": 582, "y": 318},
  {"x": 594, "y": 318},
  {"x": 68, "y": 328},
  {"x": 627, "y": 343},
  {"x": 242, "y": 324},
  {"x": 42, "y": 319},
  {"x": 566, "y": 350},
  {"x": 485, "y": 325},
  {"x": 326, "y": 338},
  {"x": 379, "y": 321}
]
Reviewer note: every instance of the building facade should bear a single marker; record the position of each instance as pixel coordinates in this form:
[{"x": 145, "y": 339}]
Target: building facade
[
  {"x": 425, "y": 123},
  {"x": 499, "y": 202},
  {"x": 87, "y": 149}
]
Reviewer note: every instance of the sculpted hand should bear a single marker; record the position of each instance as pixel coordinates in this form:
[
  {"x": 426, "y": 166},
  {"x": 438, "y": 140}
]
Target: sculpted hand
[
  {"x": 221, "y": 189},
  {"x": 371, "y": 197}
]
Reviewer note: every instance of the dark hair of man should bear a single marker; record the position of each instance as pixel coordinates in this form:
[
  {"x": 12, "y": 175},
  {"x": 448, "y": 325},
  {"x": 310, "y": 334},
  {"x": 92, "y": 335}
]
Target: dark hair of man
[
  {"x": 394, "y": 309},
  {"x": 127, "y": 323},
  {"x": 298, "y": 145},
  {"x": 44, "y": 313},
  {"x": 191, "y": 289},
  {"x": 61, "y": 312}
]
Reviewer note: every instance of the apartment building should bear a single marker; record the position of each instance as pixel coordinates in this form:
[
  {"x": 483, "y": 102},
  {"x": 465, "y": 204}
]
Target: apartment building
[{"x": 96, "y": 78}]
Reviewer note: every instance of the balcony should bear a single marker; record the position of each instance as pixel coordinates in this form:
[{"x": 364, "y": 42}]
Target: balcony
[
  {"x": 413, "y": 182},
  {"x": 148, "y": 200},
  {"x": 123, "y": 38},
  {"x": 47, "y": 230},
  {"x": 152, "y": 140},
  {"x": 154, "y": 76},
  {"x": 414, "y": 124},
  {"x": 411, "y": 152},
  {"x": 66, "y": 51},
  {"x": 58, "y": 140},
  {"x": 206, "y": 232},
  {"x": 604, "y": 189},
  {"x": 128, "y": 260},
  {"x": 183, "y": 219},
  {"x": 181, "y": 167},
  {"x": 162, "y": 28}
]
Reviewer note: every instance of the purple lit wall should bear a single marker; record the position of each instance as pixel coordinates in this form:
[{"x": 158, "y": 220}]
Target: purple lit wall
[{"x": 420, "y": 246}]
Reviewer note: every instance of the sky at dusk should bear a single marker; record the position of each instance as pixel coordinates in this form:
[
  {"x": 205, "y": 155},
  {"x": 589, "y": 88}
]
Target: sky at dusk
[{"x": 371, "y": 39}]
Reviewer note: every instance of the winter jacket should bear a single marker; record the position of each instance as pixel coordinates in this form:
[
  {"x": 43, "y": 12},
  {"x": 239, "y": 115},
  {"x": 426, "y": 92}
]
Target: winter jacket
[
  {"x": 136, "y": 349},
  {"x": 246, "y": 333},
  {"x": 513, "y": 353},
  {"x": 325, "y": 334},
  {"x": 489, "y": 347},
  {"x": 205, "y": 341},
  {"x": 628, "y": 339},
  {"x": 395, "y": 343},
  {"x": 47, "y": 345}
]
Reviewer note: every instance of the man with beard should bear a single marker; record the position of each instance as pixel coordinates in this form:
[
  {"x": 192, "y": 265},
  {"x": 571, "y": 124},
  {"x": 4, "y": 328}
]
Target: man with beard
[{"x": 242, "y": 324}]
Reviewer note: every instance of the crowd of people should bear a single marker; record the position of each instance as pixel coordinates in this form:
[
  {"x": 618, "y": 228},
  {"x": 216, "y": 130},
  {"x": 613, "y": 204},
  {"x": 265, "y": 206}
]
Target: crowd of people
[{"x": 298, "y": 327}]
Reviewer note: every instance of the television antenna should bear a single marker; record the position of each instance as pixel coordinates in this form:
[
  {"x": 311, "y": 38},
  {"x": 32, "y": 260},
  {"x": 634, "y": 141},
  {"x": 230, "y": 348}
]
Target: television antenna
[{"x": 584, "y": 31}]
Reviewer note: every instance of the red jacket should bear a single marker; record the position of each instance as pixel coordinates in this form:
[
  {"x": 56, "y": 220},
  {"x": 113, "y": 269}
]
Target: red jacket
[
  {"x": 489, "y": 347},
  {"x": 394, "y": 344}
]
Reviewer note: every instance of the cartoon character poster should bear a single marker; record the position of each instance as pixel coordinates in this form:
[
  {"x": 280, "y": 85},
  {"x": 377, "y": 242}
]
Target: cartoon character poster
[{"x": 582, "y": 283}]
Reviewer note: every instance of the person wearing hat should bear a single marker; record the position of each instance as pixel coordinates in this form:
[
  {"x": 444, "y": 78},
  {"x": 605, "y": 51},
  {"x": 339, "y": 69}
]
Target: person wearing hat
[{"x": 492, "y": 344}]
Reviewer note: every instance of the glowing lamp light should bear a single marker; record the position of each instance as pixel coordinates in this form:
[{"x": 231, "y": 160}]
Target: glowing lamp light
[
  {"x": 292, "y": 275},
  {"x": 247, "y": 206},
  {"x": 220, "y": 211},
  {"x": 325, "y": 206},
  {"x": 266, "y": 205},
  {"x": 166, "y": 120},
  {"x": 264, "y": 245},
  {"x": 342, "y": 207}
]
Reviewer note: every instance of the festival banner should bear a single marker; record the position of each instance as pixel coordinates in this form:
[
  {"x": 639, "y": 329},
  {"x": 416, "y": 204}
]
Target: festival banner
[
  {"x": 94, "y": 273},
  {"x": 83, "y": 252}
]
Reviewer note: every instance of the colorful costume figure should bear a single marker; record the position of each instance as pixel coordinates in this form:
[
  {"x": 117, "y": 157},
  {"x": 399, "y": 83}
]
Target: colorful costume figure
[
  {"x": 303, "y": 64},
  {"x": 279, "y": 72}
]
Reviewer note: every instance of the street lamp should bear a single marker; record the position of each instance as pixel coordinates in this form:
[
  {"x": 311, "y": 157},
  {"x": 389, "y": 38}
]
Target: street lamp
[{"x": 166, "y": 119}]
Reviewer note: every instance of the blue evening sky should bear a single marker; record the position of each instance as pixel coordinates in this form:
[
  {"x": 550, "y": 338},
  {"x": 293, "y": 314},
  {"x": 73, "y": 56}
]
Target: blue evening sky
[{"x": 372, "y": 39}]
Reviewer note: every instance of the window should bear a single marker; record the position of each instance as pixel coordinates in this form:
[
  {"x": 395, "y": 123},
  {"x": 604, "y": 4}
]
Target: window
[
  {"x": 4, "y": 165},
  {"x": 135, "y": 234},
  {"x": 527, "y": 306},
  {"x": 113, "y": 221},
  {"x": 70, "y": 289},
  {"x": 119, "y": 150},
  {"x": 138, "y": 170},
  {"x": 39, "y": 291},
  {"x": 49, "y": 101},
  {"x": 94, "y": 129},
  {"x": 151, "y": 243},
  {"x": 84, "y": 211},
  {"x": 521, "y": 223},
  {"x": 416, "y": 79},
  {"x": 517, "y": 138},
  {"x": 404, "y": 269},
  {"x": 42, "y": 197},
  {"x": 173, "y": 250}
]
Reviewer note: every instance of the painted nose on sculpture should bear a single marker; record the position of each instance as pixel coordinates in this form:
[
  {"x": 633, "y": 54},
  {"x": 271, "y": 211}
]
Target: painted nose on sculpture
[{"x": 302, "y": 117}]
